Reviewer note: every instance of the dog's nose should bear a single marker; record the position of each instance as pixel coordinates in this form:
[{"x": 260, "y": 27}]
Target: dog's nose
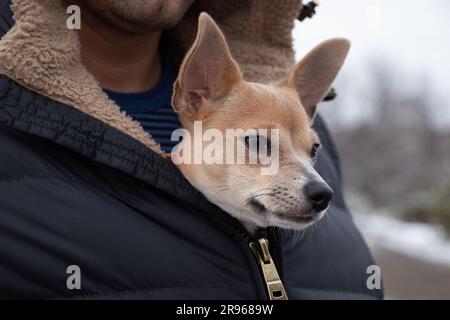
[{"x": 320, "y": 194}]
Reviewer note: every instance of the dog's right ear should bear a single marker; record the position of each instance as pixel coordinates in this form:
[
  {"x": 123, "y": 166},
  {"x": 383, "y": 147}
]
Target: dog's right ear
[
  {"x": 314, "y": 74},
  {"x": 208, "y": 71}
]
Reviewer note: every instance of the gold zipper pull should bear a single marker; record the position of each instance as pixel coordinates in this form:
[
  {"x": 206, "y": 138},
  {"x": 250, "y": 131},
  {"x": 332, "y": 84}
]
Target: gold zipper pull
[{"x": 274, "y": 285}]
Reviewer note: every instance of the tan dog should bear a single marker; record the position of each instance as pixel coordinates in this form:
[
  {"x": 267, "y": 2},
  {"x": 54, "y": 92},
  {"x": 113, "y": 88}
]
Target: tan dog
[{"x": 210, "y": 88}]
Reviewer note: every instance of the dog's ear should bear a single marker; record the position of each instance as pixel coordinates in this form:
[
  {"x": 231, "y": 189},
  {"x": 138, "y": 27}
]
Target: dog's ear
[
  {"x": 313, "y": 75},
  {"x": 208, "y": 71}
]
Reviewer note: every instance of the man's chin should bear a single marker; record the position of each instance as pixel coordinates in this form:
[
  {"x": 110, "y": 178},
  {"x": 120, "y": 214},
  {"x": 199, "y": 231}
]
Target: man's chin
[{"x": 148, "y": 15}]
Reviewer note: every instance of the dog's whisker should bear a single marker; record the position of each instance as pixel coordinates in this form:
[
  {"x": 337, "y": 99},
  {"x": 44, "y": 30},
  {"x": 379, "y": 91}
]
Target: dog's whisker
[
  {"x": 263, "y": 194},
  {"x": 246, "y": 201},
  {"x": 220, "y": 191}
]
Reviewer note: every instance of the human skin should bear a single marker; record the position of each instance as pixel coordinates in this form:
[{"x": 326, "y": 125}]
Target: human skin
[{"x": 120, "y": 40}]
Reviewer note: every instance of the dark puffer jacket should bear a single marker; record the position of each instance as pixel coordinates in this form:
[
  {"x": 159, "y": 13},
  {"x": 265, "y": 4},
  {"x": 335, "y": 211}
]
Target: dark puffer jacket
[{"x": 77, "y": 191}]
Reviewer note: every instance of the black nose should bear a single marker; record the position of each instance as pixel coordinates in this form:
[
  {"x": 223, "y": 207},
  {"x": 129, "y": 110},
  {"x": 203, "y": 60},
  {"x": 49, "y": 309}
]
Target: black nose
[{"x": 320, "y": 194}]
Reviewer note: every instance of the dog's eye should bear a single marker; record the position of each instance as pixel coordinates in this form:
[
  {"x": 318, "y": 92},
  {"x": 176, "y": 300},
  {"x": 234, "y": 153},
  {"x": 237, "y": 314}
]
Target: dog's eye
[
  {"x": 260, "y": 142},
  {"x": 314, "y": 150}
]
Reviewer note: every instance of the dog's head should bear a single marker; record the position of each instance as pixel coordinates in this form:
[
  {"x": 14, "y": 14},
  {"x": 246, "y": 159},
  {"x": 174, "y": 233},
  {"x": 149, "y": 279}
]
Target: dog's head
[{"x": 275, "y": 120}]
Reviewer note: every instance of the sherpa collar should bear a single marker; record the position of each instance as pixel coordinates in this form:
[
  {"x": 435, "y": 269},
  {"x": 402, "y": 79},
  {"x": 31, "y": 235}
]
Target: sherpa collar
[{"x": 41, "y": 54}]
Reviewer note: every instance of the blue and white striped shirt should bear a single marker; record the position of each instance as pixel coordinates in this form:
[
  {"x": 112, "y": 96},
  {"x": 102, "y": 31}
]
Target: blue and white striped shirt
[{"x": 153, "y": 108}]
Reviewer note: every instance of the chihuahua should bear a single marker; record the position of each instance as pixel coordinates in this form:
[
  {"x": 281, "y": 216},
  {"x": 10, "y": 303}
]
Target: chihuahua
[{"x": 210, "y": 89}]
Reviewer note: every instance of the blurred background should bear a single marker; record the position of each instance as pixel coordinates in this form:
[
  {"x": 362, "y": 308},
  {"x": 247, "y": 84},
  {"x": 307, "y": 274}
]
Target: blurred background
[{"x": 391, "y": 121}]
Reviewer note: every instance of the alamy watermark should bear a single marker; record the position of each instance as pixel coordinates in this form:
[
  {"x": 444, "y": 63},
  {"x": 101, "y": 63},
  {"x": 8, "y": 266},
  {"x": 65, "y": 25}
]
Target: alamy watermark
[
  {"x": 73, "y": 281},
  {"x": 234, "y": 146},
  {"x": 73, "y": 22},
  {"x": 374, "y": 280},
  {"x": 374, "y": 16}
]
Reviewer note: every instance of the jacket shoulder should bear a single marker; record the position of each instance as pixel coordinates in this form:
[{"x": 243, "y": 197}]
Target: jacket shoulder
[
  {"x": 6, "y": 20},
  {"x": 20, "y": 156}
]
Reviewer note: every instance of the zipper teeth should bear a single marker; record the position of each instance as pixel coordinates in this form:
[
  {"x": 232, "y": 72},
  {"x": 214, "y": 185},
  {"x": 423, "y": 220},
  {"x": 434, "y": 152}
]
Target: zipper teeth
[{"x": 235, "y": 225}]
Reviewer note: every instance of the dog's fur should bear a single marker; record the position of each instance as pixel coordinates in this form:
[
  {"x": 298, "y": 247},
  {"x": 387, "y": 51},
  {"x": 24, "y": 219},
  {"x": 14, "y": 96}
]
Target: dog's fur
[{"x": 210, "y": 87}]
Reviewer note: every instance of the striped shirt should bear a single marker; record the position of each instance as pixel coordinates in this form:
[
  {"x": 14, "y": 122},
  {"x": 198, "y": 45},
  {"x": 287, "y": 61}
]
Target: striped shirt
[{"x": 152, "y": 108}]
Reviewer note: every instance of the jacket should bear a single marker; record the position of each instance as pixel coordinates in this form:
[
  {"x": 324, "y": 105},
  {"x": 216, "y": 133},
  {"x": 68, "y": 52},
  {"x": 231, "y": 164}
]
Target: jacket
[{"x": 81, "y": 183}]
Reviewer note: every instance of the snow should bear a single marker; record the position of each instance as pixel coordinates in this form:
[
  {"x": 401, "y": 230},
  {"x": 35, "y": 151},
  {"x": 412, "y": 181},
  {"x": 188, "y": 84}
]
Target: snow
[{"x": 420, "y": 240}]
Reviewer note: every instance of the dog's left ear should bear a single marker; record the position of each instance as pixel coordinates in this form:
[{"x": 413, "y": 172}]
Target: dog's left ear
[
  {"x": 313, "y": 75},
  {"x": 208, "y": 71}
]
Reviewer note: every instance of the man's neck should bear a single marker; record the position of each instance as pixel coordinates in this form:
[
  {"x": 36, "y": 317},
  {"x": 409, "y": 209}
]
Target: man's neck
[{"x": 121, "y": 62}]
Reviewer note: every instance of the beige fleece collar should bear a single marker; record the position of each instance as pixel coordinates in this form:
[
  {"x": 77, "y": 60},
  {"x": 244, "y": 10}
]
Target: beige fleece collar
[{"x": 42, "y": 54}]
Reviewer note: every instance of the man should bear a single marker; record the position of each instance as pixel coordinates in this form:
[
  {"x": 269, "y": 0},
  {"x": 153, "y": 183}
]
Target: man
[{"x": 90, "y": 207}]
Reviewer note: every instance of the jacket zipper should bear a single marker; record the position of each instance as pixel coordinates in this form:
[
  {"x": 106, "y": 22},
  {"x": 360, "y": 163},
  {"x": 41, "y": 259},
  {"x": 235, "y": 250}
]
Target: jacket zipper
[
  {"x": 259, "y": 245},
  {"x": 274, "y": 285}
]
